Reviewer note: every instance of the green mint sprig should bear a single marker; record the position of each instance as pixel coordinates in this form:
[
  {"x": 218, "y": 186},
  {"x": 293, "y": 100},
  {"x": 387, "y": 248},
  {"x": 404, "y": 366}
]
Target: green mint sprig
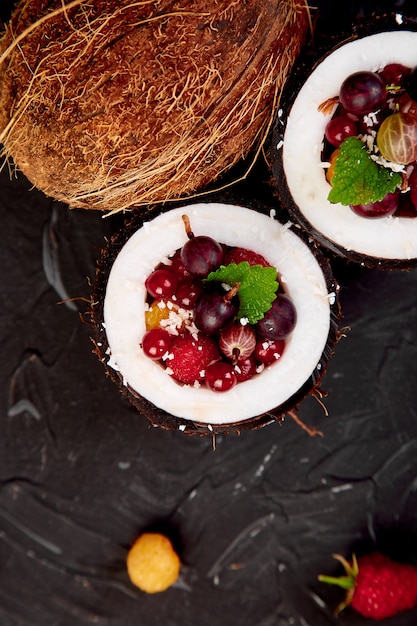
[
  {"x": 357, "y": 178},
  {"x": 257, "y": 287}
]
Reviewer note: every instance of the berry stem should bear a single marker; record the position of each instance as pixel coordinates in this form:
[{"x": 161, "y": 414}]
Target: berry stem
[
  {"x": 187, "y": 226},
  {"x": 347, "y": 582},
  {"x": 232, "y": 292}
]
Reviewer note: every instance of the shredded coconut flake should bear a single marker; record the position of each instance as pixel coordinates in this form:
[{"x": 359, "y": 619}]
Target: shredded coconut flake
[
  {"x": 286, "y": 226},
  {"x": 332, "y": 297},
  {"x": 371, "y": 119}
]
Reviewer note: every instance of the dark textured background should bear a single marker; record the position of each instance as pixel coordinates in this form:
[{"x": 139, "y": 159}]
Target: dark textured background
[{"x": 255, "y": 520}]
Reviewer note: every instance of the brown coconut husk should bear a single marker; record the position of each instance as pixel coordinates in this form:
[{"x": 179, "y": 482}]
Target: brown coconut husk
[{"x": 112, "y": 104}]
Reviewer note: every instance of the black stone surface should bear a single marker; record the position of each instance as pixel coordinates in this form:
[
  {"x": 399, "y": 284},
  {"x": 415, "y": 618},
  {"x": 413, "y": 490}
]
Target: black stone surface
[{"x": 256, "y": 519}]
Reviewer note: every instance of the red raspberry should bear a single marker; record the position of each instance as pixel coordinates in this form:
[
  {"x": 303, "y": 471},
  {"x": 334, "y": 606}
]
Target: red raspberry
[
  {"x": 189, "y": 357},
  {"x": 383, "y": 587},
  {"x": 378, "y": 587},
  {"x": 237, "y": 255}
]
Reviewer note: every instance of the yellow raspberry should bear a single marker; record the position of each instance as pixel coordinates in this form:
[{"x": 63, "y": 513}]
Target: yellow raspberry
[
  {"x": 152, "y": 563},
  {"x": 157, "y": 312}
]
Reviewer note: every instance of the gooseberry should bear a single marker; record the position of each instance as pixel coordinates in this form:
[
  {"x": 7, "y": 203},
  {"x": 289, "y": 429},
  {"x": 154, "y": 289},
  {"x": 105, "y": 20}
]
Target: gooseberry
[
  {"x": 363, "y": 92},
  {"x": 397, "y": 138},
  {"x": 382, "y": 208}
]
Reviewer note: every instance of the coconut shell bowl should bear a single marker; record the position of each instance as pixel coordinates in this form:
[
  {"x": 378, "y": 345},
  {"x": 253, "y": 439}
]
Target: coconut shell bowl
[
  {"x": 360, "y": 205},
  {"x": 122, "y": 313}
]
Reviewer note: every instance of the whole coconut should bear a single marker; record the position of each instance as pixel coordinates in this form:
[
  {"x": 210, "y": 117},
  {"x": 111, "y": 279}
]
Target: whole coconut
[{"x": 111, "y": 104}]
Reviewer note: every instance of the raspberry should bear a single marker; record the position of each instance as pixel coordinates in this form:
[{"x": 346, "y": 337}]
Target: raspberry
[
  {"x": 377, "y": 587},
  {"x": 237, "y": 255},
  {"x": 152, "y": 563},
  {"x": 189, "y": 357},
  {"x": 158, "y": 311}
]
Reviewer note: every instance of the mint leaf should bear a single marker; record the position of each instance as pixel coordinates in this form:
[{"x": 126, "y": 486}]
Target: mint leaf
[
  {"x": 257, "y": 290},
  {"x": 357, "y": 178}
]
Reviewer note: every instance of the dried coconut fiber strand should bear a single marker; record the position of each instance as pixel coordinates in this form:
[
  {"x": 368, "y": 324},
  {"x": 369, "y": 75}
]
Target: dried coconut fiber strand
[{"x": 110, "y": 104}]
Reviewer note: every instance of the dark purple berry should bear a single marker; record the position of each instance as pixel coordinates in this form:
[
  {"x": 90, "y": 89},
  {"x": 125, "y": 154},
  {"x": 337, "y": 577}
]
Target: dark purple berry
[
  {"x": 214, "y": 310},
  {"x": 279, "y": 321},
  {"x": 363, "y": 92},
  {"x": 387, "y": 206},
  {"x": 201, "y": 255}
]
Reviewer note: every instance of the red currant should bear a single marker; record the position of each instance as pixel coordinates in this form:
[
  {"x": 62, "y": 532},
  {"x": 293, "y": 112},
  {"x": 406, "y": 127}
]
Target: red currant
[
  {"x": 156, "y": 343},
  {"x": 187, "y": 293},
  {"x": 338, "y": 128},
  {"x": 162, "y": 283},
  {"x": 245, "y": 368},
  {"x": 220, "y": 376},
  {"x": 269, "y": 350},
  {"x": 394, "y": 74}
]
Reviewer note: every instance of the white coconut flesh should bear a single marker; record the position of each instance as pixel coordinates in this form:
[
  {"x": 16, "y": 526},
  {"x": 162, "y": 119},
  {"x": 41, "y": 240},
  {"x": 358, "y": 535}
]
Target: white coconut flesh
[
  {"x": 124, "y": 309},
  {"x": 385, "y": 238}
]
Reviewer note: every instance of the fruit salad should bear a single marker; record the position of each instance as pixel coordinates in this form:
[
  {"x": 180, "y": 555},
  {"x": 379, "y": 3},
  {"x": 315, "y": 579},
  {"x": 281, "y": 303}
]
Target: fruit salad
[
  {"x": 371, "y": 142},
  {"x": 216, "y": 314}
]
